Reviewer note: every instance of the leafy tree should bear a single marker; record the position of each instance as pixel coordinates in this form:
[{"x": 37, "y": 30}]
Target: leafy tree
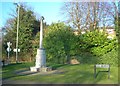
[
  {"x": 59, "y": 42},
  {"x": 99, "y": 48},
  {"x": 96, "y": 42},
  {"x": 26, "y": 26}
]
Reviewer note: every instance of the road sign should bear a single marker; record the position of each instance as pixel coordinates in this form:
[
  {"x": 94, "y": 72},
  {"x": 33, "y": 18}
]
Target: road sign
[
  {"x": 8, "y": 49},
  {"x": 15, "y": 50}
]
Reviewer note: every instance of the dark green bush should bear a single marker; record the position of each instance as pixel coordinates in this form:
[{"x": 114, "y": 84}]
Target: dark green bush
[
  {"x": 59, "y": 42},
  {"x": 92, "y": 39},
  {"x": 105, "y": 48},
  {"x": 109, "y": 58},
  {"x": 100, "y": 48}
]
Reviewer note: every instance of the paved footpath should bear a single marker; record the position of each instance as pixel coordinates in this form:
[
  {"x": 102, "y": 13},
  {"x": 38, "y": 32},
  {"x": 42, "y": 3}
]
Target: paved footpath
[{"x": 28, "y": 73}]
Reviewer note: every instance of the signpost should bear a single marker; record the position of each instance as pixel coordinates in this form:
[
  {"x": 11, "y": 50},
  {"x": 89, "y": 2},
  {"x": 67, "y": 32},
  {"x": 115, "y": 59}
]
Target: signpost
[
  {"x": 15, "y": 50},
  {"x": 102, "y": 66},
  {"x": 8, "y": 50}
]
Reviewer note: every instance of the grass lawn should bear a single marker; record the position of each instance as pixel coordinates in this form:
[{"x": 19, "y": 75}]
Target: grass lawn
[{"x": 72, "y": 74}]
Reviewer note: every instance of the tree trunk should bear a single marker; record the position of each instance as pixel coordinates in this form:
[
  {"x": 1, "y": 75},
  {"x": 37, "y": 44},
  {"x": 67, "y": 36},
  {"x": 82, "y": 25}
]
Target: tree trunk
[{"x": 68, "y": 59}]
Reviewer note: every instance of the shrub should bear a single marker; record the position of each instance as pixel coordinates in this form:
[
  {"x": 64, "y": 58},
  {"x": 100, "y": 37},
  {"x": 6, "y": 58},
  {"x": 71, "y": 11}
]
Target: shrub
[
  {"x": 59, "y": 42},
  {"x": 103, "y": 50}
]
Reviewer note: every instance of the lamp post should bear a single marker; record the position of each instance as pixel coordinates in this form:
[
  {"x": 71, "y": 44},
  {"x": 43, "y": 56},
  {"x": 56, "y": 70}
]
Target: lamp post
[{"x": 17, "y": 30}]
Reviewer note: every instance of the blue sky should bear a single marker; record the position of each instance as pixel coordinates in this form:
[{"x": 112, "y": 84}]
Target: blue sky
[{"x": 50, "y": 10}]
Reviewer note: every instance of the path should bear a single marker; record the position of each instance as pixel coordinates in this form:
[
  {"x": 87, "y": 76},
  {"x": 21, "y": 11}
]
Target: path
[{"x": 29, "y": 73}]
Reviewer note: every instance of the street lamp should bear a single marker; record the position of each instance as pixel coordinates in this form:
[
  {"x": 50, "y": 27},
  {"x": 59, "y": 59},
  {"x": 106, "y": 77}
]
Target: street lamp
[{"x": 17, "y": 30}]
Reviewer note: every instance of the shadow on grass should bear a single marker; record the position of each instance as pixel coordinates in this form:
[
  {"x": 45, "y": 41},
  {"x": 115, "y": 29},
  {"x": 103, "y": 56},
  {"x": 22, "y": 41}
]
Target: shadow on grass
[
  {"x": 11, "y": 64},
  {"x": 70, "y": 74},
  {"x": 19, "y": 74},
  {"x": 56, "y": 66},
  {"x": 87, "y": 58},
  {"x": 21, "y": 69},
  {"x": 9, "y": 76},
  {"x": 8, "y": 71},
  {"x": 76, "y": 77}
]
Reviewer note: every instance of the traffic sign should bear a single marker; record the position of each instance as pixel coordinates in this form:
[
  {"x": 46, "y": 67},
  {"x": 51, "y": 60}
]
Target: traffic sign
[
  {"x": 15, "y": 50},
  {"x": 8, "y": 49}
]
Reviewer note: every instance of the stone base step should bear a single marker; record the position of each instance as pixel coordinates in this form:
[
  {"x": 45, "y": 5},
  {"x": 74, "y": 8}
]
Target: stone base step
[{"x": 43, "y": 69}]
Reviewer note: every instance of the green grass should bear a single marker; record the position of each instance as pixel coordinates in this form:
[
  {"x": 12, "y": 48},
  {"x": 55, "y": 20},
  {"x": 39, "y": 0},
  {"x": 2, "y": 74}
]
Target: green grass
[
  {"x": 9, "y": 70},
  {"x": 108, "y": 58},
  {"x": 82, "y": 73}
]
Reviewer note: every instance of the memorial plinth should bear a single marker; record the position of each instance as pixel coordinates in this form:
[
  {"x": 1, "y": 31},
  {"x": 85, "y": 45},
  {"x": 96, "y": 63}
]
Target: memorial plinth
[
  {"x": 40, "y": 64},
  {"x": 40, "y": 58}
]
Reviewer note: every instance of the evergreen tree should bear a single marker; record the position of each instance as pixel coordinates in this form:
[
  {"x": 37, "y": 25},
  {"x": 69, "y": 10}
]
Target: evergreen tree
[{"x": 26, "y": 30}]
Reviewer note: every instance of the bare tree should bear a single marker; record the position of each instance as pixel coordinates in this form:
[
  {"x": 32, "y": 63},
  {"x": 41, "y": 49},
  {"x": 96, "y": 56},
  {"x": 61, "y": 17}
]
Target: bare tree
[
  {"x": 90, "y": 15},
  {"x": 74, "y": 13}
]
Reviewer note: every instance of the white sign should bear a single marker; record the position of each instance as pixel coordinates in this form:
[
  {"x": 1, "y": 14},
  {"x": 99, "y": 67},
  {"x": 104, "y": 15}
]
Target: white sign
[
  {"x": 9, "y": 44},
  {"x": 102, "y": 65},
  {"x": 8, "y": 49},
  {"x": 15, "y": 50}
]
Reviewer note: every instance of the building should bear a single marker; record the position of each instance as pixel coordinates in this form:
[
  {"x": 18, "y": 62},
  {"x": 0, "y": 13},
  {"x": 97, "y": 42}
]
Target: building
[
  {"x": 109, "y": 30},
  {"x": 111, "y": 33}
]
